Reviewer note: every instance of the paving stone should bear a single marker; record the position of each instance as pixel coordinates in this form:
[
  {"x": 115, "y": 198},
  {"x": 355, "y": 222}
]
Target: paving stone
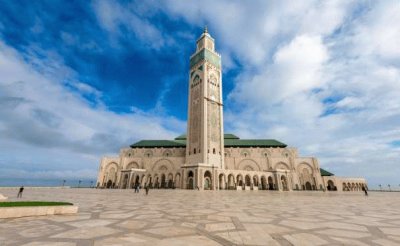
[{"x": 182, "y": 217}]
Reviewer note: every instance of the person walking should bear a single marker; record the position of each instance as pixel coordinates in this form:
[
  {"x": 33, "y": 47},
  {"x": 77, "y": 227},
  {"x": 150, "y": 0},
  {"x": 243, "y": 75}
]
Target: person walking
[
  {"x": 365, "y": 190},
  {"x": 147, "y": 189},
  {"x": 21, "y": 189}
]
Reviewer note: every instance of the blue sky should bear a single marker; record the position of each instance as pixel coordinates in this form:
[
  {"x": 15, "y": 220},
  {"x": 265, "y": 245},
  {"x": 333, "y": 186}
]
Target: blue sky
[{"x": 81, "y": 79}]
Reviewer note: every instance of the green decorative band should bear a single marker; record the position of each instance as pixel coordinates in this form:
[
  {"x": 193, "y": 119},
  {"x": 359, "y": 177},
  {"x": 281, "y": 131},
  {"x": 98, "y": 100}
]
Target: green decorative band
[{"x": 207, "y": 55}]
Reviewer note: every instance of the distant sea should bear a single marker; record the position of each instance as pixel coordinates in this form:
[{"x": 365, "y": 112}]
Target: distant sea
[{"x": 46, "y": 182}]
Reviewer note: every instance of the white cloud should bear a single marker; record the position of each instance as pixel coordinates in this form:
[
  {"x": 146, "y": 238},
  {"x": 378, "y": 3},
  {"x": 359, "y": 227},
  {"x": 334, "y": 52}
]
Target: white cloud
[
  {"x": 116, "y": 19},
  {"x": 40, "y": 115},
  {"x": 322, "y": 76}
]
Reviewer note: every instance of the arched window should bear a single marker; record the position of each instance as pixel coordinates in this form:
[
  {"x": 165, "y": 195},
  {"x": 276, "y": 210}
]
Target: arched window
[
  {"x": 194, "y": 151},
  {"x": 213, "y": 150}
]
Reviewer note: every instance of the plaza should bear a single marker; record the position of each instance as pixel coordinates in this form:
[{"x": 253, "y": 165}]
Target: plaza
[{"x": 187, "y": 217}]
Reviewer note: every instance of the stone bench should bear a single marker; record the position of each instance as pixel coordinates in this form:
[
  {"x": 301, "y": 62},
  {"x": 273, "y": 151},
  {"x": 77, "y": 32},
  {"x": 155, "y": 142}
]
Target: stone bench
[{"x": 17, "y": 212}]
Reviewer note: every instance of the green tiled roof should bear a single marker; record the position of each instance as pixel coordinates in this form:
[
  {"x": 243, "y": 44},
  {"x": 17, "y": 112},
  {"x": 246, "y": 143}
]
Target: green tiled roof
[
  {"x": 159, "y": 143},
  {"x": 326, "y": 173},
  {"x": 230, "y": 141},
  {"x": 230, "y": 136},
  {"x": 253, "y": 143}
]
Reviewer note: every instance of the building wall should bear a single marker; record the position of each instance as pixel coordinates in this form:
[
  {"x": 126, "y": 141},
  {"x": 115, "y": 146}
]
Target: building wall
[{"x": 245, "y": 168}]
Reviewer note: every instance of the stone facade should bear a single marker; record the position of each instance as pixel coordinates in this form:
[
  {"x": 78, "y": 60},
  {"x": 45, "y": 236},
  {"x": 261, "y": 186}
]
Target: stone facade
[{"x": 206, "y": 158}]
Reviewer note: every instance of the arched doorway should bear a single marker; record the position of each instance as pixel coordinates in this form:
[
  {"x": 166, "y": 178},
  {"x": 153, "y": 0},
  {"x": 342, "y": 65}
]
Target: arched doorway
[
  {"x": 308, "y": 186},
  {"x": 109, "y": 184},
  {"x": 163, "y": 181},
  {"x": 331, "y": 185},
  {"x": 190, "y": 181},
  {"x": 263, "y": 183},
  {"x": 255, "y": 181},
  {"x": 207, "y": 180},
  {"x": 170, "y": 181},
  {"x": 248, "y": 180},
  {"x": 271, "y": 183},
  {"x": 239, "y": 180},
  {"x": 156, "y": 182}
]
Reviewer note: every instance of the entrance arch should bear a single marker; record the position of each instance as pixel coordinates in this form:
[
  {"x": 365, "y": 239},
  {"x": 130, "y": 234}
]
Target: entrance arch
[
  {"x": 163, "y": 181},
  {"x": 308, "y": 186},
  {"x": 239, "y": 180},
  {"x": 109, "y": 184},
  {"x": 263, "y": 183},
  {"x": 331, "y": 185},
  {"x": 207, "y": 180},
  {"x": 248, "y": 180},
  {"x": 190, "y": 181},
  {"x": 170, "y": 181},
  {"x": 271, "y": 185}
]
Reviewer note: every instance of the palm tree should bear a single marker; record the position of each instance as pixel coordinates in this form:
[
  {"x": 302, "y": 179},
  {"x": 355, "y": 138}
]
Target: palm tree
[
  {"x": 380, "y": 186},
  {"x": 389, "y": 187},
  {"x": 64, "y": 182},
  {"x": 79, "y": 185}
]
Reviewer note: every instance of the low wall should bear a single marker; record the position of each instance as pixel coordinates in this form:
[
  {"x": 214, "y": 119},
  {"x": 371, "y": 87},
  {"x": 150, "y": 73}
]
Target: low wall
[{"x": 17, "y": 212}]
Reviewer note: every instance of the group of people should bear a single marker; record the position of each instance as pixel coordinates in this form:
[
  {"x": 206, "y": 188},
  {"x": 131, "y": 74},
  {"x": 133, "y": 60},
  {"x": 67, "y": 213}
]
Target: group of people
[{"x": 137, "y": 188}]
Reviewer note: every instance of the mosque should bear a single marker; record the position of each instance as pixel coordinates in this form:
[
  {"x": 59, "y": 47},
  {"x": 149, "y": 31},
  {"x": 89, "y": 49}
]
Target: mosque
[{"x": 207, "y": 159}]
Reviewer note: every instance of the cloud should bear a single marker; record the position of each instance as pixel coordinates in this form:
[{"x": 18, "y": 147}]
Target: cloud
[
  {"x": 41, "y": 111},
  {"x": 321, "y": 76},
  {"x": 116, "y": 19}
]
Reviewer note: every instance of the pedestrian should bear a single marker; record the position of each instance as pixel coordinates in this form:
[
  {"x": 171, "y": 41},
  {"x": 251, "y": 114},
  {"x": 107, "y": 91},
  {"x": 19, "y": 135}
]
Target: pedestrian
[
  {"x": 365, "y": 190},
  {"x": 147, "y": 189},
  {"x": 21, "y": 189}
]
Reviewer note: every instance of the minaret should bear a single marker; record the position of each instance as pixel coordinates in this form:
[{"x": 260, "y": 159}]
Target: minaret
[{"x": 205, "y": 142}]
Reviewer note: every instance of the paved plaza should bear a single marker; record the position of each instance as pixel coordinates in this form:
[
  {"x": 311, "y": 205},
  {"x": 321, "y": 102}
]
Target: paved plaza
[{"x": 185, "y": 217}]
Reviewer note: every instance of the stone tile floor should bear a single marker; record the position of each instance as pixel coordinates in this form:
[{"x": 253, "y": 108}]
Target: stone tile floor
[{"x": 182, "y": 217}]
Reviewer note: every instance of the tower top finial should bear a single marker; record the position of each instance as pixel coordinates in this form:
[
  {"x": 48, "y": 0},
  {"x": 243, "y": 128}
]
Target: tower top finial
[{"x": 205, "y": 29}]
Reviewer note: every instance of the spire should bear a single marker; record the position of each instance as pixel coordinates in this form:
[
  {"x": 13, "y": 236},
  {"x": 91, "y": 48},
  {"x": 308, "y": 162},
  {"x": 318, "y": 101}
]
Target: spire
[{"x": 205, "y": 29}]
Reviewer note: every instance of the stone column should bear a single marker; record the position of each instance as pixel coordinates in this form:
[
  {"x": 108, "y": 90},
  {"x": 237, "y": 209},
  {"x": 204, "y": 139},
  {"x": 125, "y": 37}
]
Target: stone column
[{"x": 129, "y": 180}]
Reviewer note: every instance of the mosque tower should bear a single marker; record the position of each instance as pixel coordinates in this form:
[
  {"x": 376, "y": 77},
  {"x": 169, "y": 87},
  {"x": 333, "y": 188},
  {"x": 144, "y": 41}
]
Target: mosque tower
[{"x": 205, "y": 138}]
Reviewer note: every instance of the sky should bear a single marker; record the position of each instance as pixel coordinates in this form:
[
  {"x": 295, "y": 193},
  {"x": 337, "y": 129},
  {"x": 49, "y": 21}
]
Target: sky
[{"x": 82, "y": 79}]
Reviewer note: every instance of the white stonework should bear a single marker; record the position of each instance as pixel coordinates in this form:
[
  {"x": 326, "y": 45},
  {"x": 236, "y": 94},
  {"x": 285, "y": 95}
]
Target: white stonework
[{"x": 207, "y": 159}]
